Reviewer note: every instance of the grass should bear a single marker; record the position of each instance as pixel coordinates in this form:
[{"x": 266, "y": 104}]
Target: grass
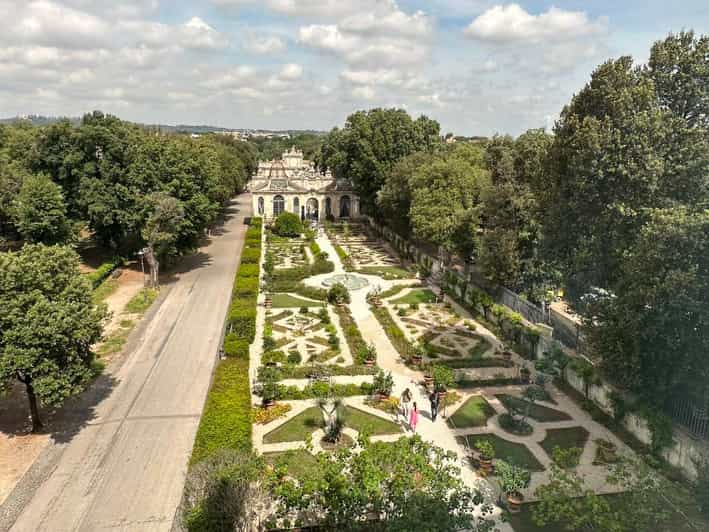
[
  {"x": 300, "y": 463},
  {"x": 105, "y": 289},
  {"x": 514, "y": 453},
  {"x": 418, "y": 296},
  {"x": 565, "y": 439},
  {"x": 298, "y": 428},
  {"x": 473, "y": 413},
  {"x": 386, "y": 272},
  {"x": 536, "y": 412},
  {"x": 288, "y": 301},
  {"x": 141, "y": 301},
  {"x": 359, "y": 420},
  {"x": 115, "y": 341}
]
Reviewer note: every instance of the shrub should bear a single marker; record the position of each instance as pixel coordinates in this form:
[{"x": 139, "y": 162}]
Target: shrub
[
  {"x": 247, "y": 286},
  {"x": 443, "y": 377},
  {"x": 566, "y": 458},
  {"x": 102, "y": 272},
  {"x": 247, "y": 270},
  {"x": 338, "y": 294},
  {"x": 383, "y": 382},
  {"x": 514, "y": 425},
  {"x": 702, "y": 486},
  {"x": 277, "y": 357},
  {"x": 294, "y": 357},
  {"x": 235, "y": 346},
  {"x": 288, "y": 224},
  {"x": 223, "y": 493},
  {"x": 266, "y": 415},
  {"x": 485, "y": 448},
  {"x": 324, "y": 315},
  {"x": 242, "y": 321},
  {"x": 314, "y": 248},
  {"x": 250, "y": 255}
]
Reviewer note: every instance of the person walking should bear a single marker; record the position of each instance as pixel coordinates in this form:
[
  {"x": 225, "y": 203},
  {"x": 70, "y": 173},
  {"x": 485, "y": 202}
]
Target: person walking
[
  {"x": 434, "y": 398},
  {"x": 414, "y": 417},
  {"x": 405, "y": 400}
]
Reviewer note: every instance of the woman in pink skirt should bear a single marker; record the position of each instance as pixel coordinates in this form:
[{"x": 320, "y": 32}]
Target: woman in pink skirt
[{"x": 414, "y": 417}]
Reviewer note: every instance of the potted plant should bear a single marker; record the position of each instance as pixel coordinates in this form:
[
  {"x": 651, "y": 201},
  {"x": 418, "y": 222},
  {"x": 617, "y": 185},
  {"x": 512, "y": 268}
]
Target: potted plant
[
  {"x": 443, "y": 378},
  {"x": 368, "y": 354},
  {"x": 428, "y": 376},
  {"x": 486, "y": 452},
  {"x": 606, "y": 451},
  {"x": 383, "y": 384},
  {"x": 417, "y": 355},
  {"x": 506, "y": 353},
  {"x": 513, "y": 480},
  {"x": 374, "y": 296}
]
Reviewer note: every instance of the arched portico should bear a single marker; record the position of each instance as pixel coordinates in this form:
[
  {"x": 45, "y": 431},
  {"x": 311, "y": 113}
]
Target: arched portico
[{"x": 312, "y": 208}]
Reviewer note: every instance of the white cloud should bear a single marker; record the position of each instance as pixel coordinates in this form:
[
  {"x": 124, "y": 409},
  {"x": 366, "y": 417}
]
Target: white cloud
[
  {"x": 291, "y": 71},
  {"x": 264, "y": 44},
  {"x": 511, "y": 23},
  {"x": 364, "y": 93}
]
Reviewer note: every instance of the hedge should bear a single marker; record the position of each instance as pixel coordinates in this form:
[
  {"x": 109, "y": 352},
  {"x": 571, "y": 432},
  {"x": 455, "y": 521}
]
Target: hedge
[
  {"x": 394, "y": 333},
  {"x": 226, "y": 420},
  {"x": 102, "y": 272},
  {"x": 250, "y": 255},
  {"x": 351, "y": 331},
  {"x": 322, "y": 389}
]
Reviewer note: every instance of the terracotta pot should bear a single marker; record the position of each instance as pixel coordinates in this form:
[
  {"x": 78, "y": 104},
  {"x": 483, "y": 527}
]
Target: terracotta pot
[
  {"x": 442, "y": 394},
  {"x": 507, "y": 355},
  {"x": 428, "y": 380},
  {"x": 525, "y": 375},
  {"x": 514, "y": 502},
  {"x": 268, "y": 403},
  {"x": 416, "y": 360},
  {"x": 369, "y": 363},
  {"x": 485, "y": 465},
  {"x": 381, "y": 396},
  {"x": 270, "y": 364}
]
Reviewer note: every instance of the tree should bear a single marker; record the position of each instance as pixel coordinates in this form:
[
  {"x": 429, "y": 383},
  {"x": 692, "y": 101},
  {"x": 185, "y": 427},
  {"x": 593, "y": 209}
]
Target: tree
[
  {"x": 224, "y": 493},
  {"x": 162, "y": 224},
  {"x": 607, "y": 163},
  {"x": 288, "y": 224},
  {"x": 445, "y": 198},
  {"x": 650, "y": 332},
  {"x": 400, "y": 486},
  {"x": 40, "y": 212},
  {"x": 371, "y": 142},
  {"x": 47, "y": 326}
]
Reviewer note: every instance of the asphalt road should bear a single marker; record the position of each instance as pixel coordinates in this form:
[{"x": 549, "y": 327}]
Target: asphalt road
[{"x": 125, "y": 468}]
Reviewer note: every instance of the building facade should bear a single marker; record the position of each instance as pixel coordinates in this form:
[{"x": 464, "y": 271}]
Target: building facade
[{"x": 293, "y": 184}]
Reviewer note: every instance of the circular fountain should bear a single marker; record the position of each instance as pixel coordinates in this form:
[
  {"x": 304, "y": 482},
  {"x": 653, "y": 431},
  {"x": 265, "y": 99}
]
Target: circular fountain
[{"x": 351, "y": 282}]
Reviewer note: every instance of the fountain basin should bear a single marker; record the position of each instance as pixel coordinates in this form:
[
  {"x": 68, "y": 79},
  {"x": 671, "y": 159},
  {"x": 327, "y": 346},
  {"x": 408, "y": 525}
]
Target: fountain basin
[{"x": 351, "y": 282}]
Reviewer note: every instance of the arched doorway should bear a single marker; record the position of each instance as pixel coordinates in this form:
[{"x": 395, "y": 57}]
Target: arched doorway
[
  {"x": 311, "y": 209},
  {"x": 260, "y": 206},
  {"x": 296, "y": 205},
  {"x": 345, "y": 207},
  {"x": 328, "y": 208},
  {"x": 279, "y": 205}
]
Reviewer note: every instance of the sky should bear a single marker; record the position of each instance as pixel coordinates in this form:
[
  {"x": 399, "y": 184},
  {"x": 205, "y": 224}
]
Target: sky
[{"x": 478, "y": 67}]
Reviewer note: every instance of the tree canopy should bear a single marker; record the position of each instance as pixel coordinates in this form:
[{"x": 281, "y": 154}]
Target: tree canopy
[{"x": 47, "y": 325}]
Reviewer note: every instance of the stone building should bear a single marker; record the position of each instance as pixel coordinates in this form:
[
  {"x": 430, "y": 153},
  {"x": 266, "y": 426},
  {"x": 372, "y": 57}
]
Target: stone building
[{"x": 293, "y": 184}]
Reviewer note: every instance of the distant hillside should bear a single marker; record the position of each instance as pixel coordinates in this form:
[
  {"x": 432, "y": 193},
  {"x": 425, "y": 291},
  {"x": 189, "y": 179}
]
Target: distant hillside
[{"x": 38, "y": 120}]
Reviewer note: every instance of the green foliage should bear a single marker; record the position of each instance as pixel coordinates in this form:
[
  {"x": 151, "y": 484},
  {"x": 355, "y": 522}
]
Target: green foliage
[
  {"x": 47, "y": 324},
  {"x": 40, "y": 211},
  {"x": 701, "y": 489},
  {"x": 443, "y": 377},
  {"x": 513, "y": 479},
  {"x": 97, "y": 276},
  {"x": 485, "y": 448},
  {"x": 383, "y": 382},
  {"x": 371, "y": 143},
  {"x": 288, "y": 224},
  {"x": 226, "y": 420},
  {"x": 222, "y": 492},
  {"x": 408, "y": 485},
  {"x": 660, "y": 426},
  {"x": 338, "y": 294},
  {"x": 566, "y": 458}
]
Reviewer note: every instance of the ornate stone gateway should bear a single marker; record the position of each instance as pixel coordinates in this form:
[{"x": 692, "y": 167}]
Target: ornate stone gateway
[{"x": 293, "y": 184}]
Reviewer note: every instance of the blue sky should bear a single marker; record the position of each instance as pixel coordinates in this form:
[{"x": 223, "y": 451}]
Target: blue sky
[{"x": 479, "y": 67}]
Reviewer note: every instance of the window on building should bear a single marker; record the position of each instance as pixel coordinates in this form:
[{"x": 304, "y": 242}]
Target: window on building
[
  {"x": 279, "y": 205},
  {"x": 260, "y": 206},
  {"x": 296, "y": 206}
]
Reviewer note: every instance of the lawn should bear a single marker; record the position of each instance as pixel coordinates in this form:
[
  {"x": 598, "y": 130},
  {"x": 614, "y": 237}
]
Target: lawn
[
  {"x": 514, "y": 453},
  {"x": 565, "y": 439},
  {"x": 386, "y": 272},
  {"x": 288, "y": 301},
  {"x": 358, "y": 420},
  {"x": 474, "y": 413},
  {"x": 298, "y": 428},
  {"x": 418, "y": 296},
  {"x": 300, "y": 463},
  {"x": 537, "y": 412}
]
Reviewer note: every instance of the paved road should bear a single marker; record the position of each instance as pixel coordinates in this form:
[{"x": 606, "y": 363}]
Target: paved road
[{"x": 125, "y": 469}]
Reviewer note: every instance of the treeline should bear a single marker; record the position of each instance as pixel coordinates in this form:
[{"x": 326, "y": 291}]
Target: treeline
[
  {"x": 273, "y": 147},
  {"x": 128, "y": 186},
  {"x": 613, "y": 207}
]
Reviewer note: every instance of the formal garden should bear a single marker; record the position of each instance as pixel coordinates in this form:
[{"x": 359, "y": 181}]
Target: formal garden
[{"x": 318, "y": 351}]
